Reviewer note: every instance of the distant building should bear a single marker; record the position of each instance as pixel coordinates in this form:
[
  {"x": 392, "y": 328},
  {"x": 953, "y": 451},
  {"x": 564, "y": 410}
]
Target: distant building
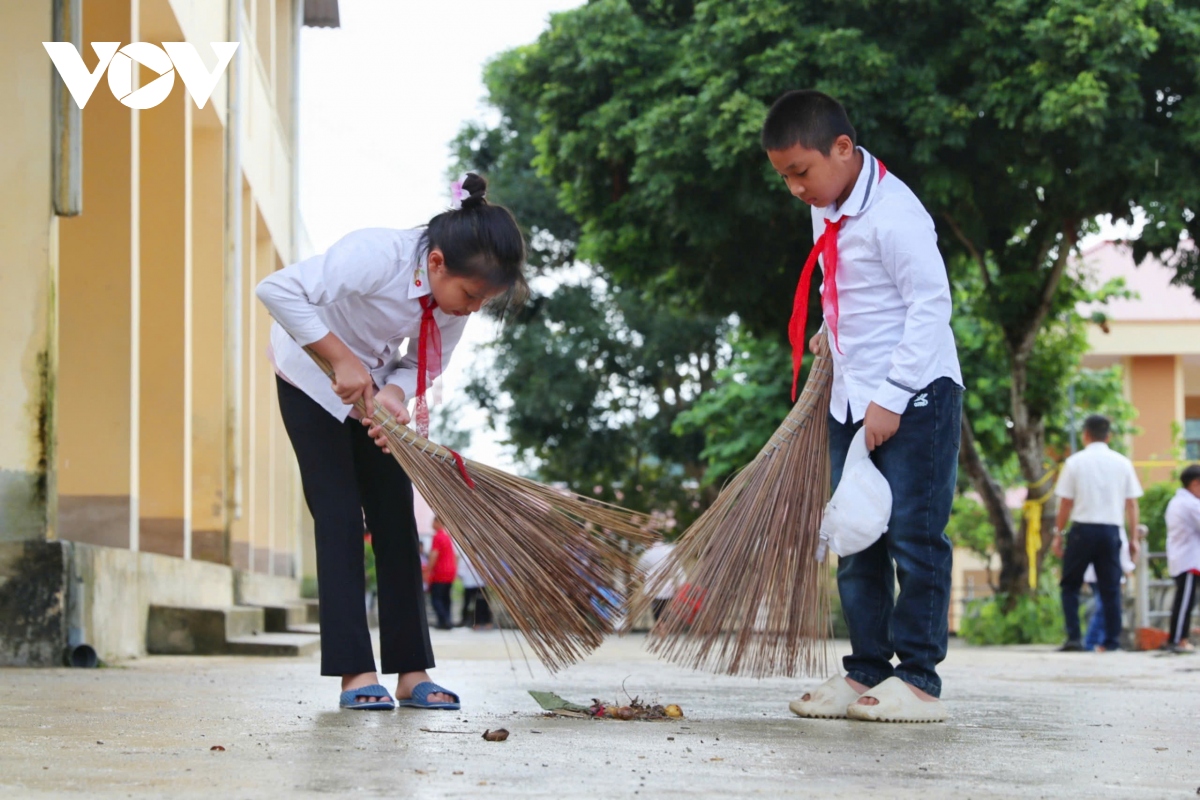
[
  {"x": 140, "y": 447},
  {"x": 1156, "y": 339}
]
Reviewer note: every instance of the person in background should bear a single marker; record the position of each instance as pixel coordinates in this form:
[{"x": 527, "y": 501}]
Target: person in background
[
  {"x": 650, "y": 565},
  {"x": 1183, "y": 556},
  {"x": 1095, "y": 628},
  {"x": 1096, "y": 488},
  {"x": 440, "y": 574},
  {"x": 476, "y": 613}
]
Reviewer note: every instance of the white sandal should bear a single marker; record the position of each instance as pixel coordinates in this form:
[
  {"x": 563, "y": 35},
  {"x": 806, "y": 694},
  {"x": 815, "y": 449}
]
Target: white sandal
[
  {"x": 827, "y": 701},
  {"x": 897, "y": 703}
]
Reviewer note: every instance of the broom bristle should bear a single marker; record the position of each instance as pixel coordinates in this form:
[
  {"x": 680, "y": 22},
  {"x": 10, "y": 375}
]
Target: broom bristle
[
  {"x": 756, "y": 599},
  {"x": 554, "y": 559}
]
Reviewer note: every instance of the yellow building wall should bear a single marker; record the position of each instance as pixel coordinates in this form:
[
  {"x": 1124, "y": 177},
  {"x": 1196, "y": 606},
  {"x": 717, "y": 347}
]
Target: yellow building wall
[
  {"x": 208, "y": 334},
  {"x": 94, "y": 433},
  {"x": 1156, "y": 391},
  {"x": 163, "y": 248},
  {"x": 143, "y": 404},
  {"x": 27, "y": 275}
]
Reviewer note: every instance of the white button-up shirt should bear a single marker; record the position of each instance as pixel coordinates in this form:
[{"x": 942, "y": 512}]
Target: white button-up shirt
[
  {"x": 1183, "y": 533},
  {"x": 366, "y": 290},
  {"x": 1099, "y": 481},
  {"x": 894, "y": 304}
]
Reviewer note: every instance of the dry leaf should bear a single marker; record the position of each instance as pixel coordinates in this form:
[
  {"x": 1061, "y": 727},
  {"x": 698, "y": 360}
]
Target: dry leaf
[
  {"x": 218, "y": 748},
  {"x": 498, "y": 735}
]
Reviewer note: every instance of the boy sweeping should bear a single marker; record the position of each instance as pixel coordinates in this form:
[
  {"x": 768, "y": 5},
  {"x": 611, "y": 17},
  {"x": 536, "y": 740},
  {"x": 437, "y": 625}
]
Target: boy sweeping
[{"x": 886, "y": 305}]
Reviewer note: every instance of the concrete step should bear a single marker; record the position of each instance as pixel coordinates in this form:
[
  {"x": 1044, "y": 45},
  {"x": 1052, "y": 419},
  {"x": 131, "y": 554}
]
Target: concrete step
[
  {"x": 284, "y": 618},
  {"x": 275, "y": 644},
  {"x": 173, "y": 630}
]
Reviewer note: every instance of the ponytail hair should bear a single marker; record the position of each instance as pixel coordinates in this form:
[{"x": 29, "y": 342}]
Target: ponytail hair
[{"x": 482, "y": 241}]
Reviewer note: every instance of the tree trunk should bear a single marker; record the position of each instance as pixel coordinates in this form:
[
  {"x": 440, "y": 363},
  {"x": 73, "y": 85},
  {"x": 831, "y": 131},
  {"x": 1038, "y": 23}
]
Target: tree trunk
[
  {"x": 1028, "y": 434},
  {"x": 992, "y": 494}
]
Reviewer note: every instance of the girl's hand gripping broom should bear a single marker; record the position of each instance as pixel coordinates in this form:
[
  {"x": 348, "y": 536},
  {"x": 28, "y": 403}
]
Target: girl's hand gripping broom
[
  {"x": 553, "y": 558},
  {"x": 756, "y": 598}
]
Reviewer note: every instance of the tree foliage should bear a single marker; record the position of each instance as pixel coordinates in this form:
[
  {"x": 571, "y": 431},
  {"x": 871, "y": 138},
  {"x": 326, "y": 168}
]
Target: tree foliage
[
  {"x": 589, "y": 380},
  {"x": 1017, "y": 122}
]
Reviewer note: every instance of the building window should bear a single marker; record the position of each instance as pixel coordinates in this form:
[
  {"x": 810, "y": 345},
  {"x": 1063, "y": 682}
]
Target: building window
[{"x": 1191, "y": 437}]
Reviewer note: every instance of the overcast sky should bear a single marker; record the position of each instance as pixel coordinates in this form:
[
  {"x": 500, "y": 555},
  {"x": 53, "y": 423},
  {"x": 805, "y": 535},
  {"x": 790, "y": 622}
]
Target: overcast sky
[{"x": 381, "y": 98}]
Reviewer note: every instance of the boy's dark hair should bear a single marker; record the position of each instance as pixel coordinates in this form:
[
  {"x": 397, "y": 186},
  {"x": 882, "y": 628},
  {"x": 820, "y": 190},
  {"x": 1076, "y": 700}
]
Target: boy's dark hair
[
  {"x": 1190, "y": 475},
  {"x": 481, "y": 240},
  {"x": 1097, "y": 427},
  {"x": 809, "y": 118}
]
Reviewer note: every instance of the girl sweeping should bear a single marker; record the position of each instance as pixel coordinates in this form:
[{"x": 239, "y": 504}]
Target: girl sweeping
[{"x": 354, "y": 306}]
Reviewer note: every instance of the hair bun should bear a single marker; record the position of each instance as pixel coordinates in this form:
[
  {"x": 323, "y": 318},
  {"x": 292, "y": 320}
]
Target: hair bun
[{"x": 476, "y": 186}]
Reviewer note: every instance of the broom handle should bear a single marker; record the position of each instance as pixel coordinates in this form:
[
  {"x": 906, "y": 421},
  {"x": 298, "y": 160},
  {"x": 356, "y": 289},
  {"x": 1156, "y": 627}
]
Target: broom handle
[{"x": 385, "y": 420}]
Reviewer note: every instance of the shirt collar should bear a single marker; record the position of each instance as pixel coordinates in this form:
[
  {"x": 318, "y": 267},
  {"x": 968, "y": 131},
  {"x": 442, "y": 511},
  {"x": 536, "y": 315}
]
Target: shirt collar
[
  {"x": 1097, "y": 445},
  {"x": 864, "y": 191},
  {"x": 418, "y": 285}
]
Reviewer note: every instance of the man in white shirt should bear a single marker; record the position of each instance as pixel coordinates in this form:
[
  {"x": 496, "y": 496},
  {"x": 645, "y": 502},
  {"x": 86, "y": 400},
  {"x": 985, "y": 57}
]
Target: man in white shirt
[
  {"x": 1096, "y": 487},
  {"x": 1183, "y": 555},
  {"x": 651, "y": 565}
]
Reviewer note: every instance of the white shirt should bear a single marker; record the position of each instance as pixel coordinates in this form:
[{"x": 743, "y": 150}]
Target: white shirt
[
  {"x": 1099, "y": 481},
  {"x": 651, "y": 565},
  {"x": 366, "y": 289},
  {"x": 894, "y": 304},
  {"x": 1183, "y": 533}
]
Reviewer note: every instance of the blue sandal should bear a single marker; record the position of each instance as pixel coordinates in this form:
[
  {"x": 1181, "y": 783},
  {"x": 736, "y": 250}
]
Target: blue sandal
[
  {"x": 349, "y": 698},
  {"x": 420, "y": 697}
]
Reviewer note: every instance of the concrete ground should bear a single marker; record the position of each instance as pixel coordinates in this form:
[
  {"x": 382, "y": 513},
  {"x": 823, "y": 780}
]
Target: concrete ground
[{"x": 1027, "y": 722}]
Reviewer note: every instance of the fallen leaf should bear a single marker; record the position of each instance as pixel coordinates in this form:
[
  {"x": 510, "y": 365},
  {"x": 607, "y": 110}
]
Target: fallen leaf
[
  {"x": 498, "y": 735},
  {"x": 457, "y": 772},
  {"x": 217, "y": 747},
  {"x": 716, "y": 758},
  {"x": 1160, "y": 749}
]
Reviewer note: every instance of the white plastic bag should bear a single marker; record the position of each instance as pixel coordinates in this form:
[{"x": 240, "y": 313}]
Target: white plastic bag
[{"x": 858, "y": 513}]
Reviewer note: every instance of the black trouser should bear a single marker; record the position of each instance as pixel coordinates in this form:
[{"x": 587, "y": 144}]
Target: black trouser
[
  {"x": 475, "y": 608},
  {"x": 345, "y": 475},
  {"x": 439, "y": 595},
  {"x": 1181, "y": 612},
  {"x": 1100, "y": 546},
  {"x": 659, "y": 606}
]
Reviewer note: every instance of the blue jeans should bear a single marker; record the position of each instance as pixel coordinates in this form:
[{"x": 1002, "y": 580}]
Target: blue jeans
[
  {"x": 1095, "y": 628},
  {"x": 921, "y": 465}
]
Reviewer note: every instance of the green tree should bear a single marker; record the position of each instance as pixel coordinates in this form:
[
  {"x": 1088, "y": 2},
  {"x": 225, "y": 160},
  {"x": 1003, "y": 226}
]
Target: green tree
[
  {"x": 1017, "y": 122},
  {"x": 743, "y": 408},
  {"x": 588, "y": 381}
]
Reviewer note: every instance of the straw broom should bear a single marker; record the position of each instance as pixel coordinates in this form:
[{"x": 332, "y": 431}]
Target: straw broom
[
  {"x": 552, "y": 557},
  {"x": 756, "y": 599}
]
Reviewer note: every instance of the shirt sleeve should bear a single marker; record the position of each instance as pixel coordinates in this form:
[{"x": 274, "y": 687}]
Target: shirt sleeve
[
  {"x": 908, "y": 249},
  {"x": 1133, "y": 488},
  {"x": 355, "y": 265},
  {"x": 1066, "y": 482},
  {"x": 405, "y": 374}
]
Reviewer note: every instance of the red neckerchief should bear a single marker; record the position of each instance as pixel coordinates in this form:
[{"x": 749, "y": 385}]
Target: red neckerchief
[
  {"x": 826, "y": 245},
  {"x": 429, "y": 361},
  {"x": 429, "y": 367}
]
